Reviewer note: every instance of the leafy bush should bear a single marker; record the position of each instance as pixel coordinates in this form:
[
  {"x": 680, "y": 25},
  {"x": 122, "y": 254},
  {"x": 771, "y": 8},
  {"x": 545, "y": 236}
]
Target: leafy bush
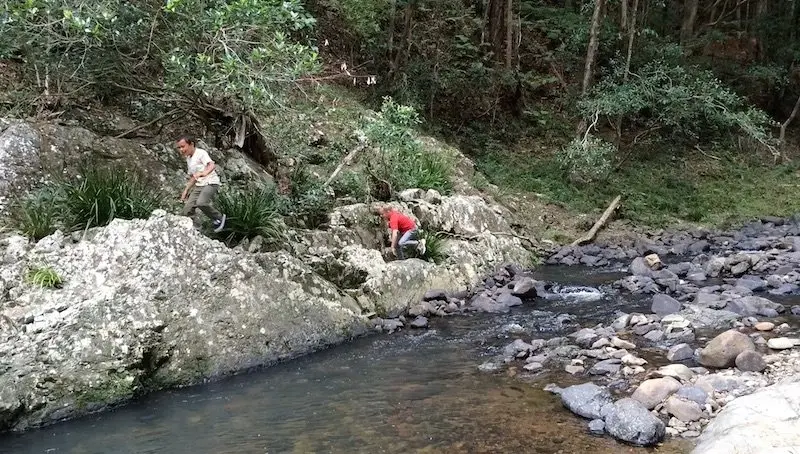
[
  {"x": 403, "y": 161},
  {"x": 434, "y": 247},
  {"x": 586, "y": 160},
  {"x": 253, "y": 211},
  {"x": 239, "y": 55},
  {"x": 36, "y": 216},
  {"x": 99, "y": 196},
  {"x": 686, "y": 103},
  {"x": 309, "y": 202},
  {"x": 44, "y": 277},
  {"x": 351, "y": 184}
]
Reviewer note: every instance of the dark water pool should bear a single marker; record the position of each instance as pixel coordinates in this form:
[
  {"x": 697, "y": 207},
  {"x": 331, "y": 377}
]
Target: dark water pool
[{"x": 414, "y": 391}]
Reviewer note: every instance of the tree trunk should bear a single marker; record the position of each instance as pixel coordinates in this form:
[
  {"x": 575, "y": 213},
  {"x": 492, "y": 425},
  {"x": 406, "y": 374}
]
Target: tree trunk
[
  {"x": 785, "y": 124},
  {"x": 689, "y": 19},
  {"x": 623, "y": 20},
  {"x": 631, "y": 35},
  {"x": 591, "y": 51},
  {"x": 509, "y": 32}
]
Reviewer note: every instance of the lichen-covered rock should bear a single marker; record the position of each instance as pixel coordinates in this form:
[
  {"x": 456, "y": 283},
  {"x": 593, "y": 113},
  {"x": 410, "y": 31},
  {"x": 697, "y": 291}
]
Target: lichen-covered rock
[{"x": 151, "y": 303}]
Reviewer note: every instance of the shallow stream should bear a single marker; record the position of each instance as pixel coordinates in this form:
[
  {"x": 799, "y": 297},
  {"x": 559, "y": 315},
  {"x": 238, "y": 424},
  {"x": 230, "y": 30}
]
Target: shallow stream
[{"x": 413, "y": 391}]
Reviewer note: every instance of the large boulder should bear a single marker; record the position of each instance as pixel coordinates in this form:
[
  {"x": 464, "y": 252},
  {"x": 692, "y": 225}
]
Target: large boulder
[
  {"x": 586, "y": 400},
  {"x": 722, "y": 351},
  {"x": 628, "y": 420},
  {"x": 148, "y": 304},
  {"x": 20, "y": 166},
  {"x": 765, "y": 422}
]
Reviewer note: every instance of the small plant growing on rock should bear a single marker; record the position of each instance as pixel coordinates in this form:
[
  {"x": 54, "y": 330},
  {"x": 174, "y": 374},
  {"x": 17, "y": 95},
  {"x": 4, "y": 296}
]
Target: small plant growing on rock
[
  {"x": 36, "y": 216},
  {"x": 254, "y": 211},
  {"x": 434, "y": 247},
  {"x": 100, "y": 196},
  {"x": 44, "y": 277}
]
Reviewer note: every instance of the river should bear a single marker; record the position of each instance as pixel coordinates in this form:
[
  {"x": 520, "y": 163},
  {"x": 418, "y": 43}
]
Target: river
[{"x": 412, "y": 391}]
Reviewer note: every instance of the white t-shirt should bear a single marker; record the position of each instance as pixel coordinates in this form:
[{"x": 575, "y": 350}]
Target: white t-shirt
[{"x": 197, "y": 162}]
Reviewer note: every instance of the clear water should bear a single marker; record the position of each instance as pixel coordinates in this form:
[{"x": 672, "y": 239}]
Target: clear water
[{"x": 413, "y": 391}]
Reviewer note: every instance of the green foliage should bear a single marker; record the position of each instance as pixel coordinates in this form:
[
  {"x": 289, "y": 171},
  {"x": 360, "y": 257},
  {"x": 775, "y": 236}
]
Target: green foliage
[
  {"x": 351, "y": 184},
  {"x": 44, "y": 277},
  {"x": 587, "y": 160},
  {"x": 252, "y": 211},
  {"x": 403, "y": 161},
  {"x": 36, "y": 216},
  {"x": 684, "y": 103},
  {"x": 309, "y": 202},
  {"x": 434, "y": 247},
  {"x": 99, "y": 196},
  {"x": 93, "y": 198},
  {"x": 240, "y": 54}
]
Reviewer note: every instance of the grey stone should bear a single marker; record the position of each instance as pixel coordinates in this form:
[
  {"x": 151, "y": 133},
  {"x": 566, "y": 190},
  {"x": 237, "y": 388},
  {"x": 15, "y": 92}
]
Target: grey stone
[
  {"x": 722, "y": 351},
  {"x": 435, "y": 294},
  {"x": 508, "y": 300},
  {"x": 419, "y": 322},
  {"x": 525, "y": 287},
  {"x": 750, "y": 361},
  {"x": 605, "y": 367},
  {"x": 628, "y": 420},
  {"x": 763, "y": 422},
  {"x": 693, "y": 393},
  {"x": 652, "y": 392},
  {"x": 680, "y": 352},
  {"x": 655, "y": 336},
  {"x": 665, "y": 304},
  {"x": 781, "y": 343},
  {"x": 586, "y": 400},
  {"x": 639, "y": 268},
  {"x": 597, "y": 427},
  {"x": 684, "y": 410}
]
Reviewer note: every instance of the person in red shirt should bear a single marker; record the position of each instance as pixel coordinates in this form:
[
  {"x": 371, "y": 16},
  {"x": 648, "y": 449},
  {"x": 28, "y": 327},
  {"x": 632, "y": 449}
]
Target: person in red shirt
[{"x": 404, "y": 231}]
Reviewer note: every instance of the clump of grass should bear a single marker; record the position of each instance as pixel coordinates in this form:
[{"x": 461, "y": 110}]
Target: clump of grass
[
  {"x": 94, "y": 199},
  {"x": 100, "y": 196},
  {"x": 434, "y": 247},
  {"x": 36, "y": 216},
  {"x": 44, "y": 277},
  {"x": 251, "y": 212}
]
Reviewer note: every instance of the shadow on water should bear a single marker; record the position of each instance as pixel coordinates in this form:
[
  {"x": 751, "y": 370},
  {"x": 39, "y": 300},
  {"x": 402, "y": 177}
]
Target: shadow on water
[{"x": 415, "y": 391}]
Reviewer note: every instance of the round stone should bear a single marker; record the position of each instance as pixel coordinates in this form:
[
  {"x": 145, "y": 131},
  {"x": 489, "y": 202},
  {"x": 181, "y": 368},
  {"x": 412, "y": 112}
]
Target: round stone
[{"x": 765, "y": 326}]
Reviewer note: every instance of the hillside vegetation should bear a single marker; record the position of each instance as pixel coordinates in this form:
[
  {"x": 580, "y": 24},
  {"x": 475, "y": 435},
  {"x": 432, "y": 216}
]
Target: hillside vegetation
[{"x": 686, "y": 108}]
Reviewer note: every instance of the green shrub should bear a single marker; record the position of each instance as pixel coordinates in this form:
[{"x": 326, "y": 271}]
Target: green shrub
[
  {"x": 434, "y": 247},
  {"x": 402, "y": 160},
  {"x": 351, "y": 184},
  {"x": 253, "y": 211},
  {"x": 309, "y": 202},
  {"x": 586, "y": 160},
  {"x": 99, "y": 196},
  {"x": 44, "y": 277},
  {"x": 36, "y": 216}
]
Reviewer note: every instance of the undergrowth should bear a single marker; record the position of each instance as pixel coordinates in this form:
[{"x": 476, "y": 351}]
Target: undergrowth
[{"x": 253, "y": 211}]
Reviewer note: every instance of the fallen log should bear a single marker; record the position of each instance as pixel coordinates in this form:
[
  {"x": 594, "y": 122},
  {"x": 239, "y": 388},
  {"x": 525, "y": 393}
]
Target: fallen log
[{"x": 599, "y": 224}]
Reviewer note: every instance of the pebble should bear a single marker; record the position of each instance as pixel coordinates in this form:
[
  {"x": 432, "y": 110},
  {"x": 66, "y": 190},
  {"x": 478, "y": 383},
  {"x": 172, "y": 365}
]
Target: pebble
[
  {"x": 765, "y": 326},
  {"x": 781, "y": 343}
]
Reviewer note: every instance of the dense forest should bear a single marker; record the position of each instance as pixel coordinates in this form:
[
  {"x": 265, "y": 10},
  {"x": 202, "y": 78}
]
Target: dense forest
[{"x": 686, "y": 107}]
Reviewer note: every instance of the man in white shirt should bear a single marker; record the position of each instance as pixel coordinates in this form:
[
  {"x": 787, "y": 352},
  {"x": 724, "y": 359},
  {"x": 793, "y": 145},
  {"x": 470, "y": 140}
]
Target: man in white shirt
[{"x": 203, "y": 183}]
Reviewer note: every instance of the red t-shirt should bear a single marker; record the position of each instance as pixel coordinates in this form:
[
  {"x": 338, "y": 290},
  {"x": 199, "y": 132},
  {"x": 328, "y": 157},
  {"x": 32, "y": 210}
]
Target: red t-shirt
[{"x": 399, "y": 221}]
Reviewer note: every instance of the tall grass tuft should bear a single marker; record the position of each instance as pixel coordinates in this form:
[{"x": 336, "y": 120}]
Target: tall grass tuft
[
  {"x": 254, "y": 211},
  {"x": 434, "y": 247},
  {"x": 100, "y": 196},
  {"x": 44, "y": 277},
  {"x": 36, "y": 216}
]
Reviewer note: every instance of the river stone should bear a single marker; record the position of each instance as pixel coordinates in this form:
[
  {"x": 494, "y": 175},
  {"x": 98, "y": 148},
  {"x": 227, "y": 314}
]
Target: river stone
[
  {"x": 685, "y": 410},
  {"x": 750, "y": 361},
  {"x": 781, "y": 343},
  {"x": 765, "y": 422},
  {"x": 597, "y": 427},
  {"x": 621, "y": 322},
  {"x": 679, "y": 371},
  {"x": 628, "y": 420},
  {"x": 655, "y": 336},
  {"x": 722, "y": 351},
  {"x": 633, "y": 360},
  {"x": 764, "y": 326},
  {"x": 586, "y": 400},
  {"x": 525, "y": 287},
  {"x": 639, "y": 268},
  {"x": 605, "y": 367},
  {"x": 533, "y": 367},
  {"x": 508, "y": 300},
  {"x": 652, "y": 392},
  {"x": 419, "y": 322},
  {"x": 693, "y": 393},
  {"x": 435, "y": 294},
  {"x": 621, "y": 343},
  {"x": 680, "y": 352},
  {"x": 573, "y": 369},
  {"x": 665, "y": 304},
  {"x": 796, "y": 310}
]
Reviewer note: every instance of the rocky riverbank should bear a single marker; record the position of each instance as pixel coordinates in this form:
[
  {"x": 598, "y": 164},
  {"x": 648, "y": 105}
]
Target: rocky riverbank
[{"x": 723, "y": 323}]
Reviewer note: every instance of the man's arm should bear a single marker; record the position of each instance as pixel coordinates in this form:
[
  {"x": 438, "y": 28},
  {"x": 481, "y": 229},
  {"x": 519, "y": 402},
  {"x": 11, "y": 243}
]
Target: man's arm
[
  {"x": 210, "y": 166},
  {"x": 395, "y": 235}
]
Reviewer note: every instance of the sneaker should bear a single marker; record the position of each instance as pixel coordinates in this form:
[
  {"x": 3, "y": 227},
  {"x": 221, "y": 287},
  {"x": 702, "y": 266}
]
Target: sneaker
[
  {"x": 219, "y": 224},
  {"x": 421, "y": 246}
]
